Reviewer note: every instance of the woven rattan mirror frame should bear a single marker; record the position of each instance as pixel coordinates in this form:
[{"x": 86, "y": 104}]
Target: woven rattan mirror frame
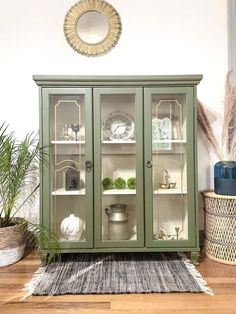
[{"x": 71, "y": 24}]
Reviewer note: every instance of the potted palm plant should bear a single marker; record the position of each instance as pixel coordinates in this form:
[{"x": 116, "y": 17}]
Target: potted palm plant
[{"x": 19, "y": 165}]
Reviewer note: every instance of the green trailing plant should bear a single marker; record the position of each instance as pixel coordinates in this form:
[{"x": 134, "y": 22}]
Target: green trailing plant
[
  {"x": 108, "y": 183},
  {"x": 120, "y": 183},
  {"x": 131, "y": 183},
  {"x": 19, "y": 181}
]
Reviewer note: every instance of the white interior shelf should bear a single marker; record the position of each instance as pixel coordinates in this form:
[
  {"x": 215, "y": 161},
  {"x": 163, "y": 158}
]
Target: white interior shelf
[
  {"x": 169, "y": 141},
  {"x": 68, "y": 142},
  {"x": 119, "y": 142},
  {"x": 62, "y": 191},
  {"x": 170, "y": 191},
  {"x": 133, "y": 142},
  {"x": 119, "y": 192}
]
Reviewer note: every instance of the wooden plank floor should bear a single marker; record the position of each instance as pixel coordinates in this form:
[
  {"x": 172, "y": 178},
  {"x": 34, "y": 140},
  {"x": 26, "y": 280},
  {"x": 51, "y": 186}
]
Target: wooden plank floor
[{"x": 221, "y": 278}]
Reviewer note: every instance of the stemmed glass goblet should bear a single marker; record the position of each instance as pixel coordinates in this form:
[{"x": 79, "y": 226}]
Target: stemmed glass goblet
[{"x": 75, "y": 128}]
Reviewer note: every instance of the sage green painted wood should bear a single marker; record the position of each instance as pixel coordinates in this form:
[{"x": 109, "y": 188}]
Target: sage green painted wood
[
  {"x": 148, "y": 181},
  {"x": 117, "y": 80},
  {"x": 89, "y": 174},
  {"x": 97, "y": 168},
  {"x": 139, "y": 168},
  {"x": 128, "y": 249},
  {"x": 190, "y": 152},
  {"x": 191, "y": 167},
  {"x": 45, "y": 182},
  {"x": 63, "y": 83},
  {"x": 196, "y": 194},
  {"x": 46, "y": 188},
  {"x": 139, "y": 162},
  {"x": 42, "y": 165}
]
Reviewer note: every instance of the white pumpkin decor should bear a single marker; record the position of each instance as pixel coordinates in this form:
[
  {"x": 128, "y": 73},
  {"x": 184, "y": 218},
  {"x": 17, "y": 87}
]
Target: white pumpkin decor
[{"x": 72, "y": 227}]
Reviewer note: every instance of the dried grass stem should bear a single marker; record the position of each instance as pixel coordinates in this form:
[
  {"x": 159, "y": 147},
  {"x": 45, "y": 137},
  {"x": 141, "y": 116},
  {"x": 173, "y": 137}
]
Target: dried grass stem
[{"x": 226, "y": 149}]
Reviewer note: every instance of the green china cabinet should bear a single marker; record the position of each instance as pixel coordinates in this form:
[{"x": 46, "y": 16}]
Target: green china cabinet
[{"x": 120, "y": 173}]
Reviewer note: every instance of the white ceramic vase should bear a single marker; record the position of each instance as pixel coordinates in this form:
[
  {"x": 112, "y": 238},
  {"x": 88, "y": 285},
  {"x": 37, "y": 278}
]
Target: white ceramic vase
[{"x": 72, "y": 227}]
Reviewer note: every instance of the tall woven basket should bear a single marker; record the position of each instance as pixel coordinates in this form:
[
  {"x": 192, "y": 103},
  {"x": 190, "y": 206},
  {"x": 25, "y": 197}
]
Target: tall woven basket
[
  {"x": 12, "y": 242},
  {"x": 220, "y": 227}
]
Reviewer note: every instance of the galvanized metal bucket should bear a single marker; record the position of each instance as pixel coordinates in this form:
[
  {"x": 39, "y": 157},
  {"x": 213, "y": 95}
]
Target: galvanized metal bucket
[{"x": 118, "y": 227}]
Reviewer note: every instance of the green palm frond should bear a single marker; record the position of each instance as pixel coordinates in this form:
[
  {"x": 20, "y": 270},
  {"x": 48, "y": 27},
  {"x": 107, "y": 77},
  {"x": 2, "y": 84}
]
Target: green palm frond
[
  {"x": 44, "y": 239},
  {"x": 19, "y": 163}
]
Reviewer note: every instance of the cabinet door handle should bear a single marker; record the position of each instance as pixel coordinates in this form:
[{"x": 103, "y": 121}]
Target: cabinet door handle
[
  {"x": 149, "y": 163},
  {"x": 88, "y": 165}
]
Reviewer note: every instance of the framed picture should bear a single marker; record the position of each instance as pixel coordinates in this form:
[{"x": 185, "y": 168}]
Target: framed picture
[{"x": 161, "y": 133}]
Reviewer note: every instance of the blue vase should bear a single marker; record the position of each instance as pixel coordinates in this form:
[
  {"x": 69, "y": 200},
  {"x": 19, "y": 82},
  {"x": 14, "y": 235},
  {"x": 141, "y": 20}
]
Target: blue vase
[{"x": 225, "y": 177}]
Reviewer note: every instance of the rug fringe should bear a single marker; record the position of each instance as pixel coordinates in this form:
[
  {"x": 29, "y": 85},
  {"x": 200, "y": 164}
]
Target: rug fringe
[
  {"x": 30, "y": 286},
  {"x": 195, "y": 273}
]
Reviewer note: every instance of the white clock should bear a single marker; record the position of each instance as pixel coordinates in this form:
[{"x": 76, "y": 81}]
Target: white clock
[{"x": 118, "y": 126}]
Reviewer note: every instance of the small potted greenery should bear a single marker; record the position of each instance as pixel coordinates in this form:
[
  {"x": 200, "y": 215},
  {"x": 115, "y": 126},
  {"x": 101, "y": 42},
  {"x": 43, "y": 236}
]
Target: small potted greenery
[{"x": 19, "y": 165}]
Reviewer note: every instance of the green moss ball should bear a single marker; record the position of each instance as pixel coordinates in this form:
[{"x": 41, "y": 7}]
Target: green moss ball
[
  {"x": 108, "y": 183},
  {"x": 131, "y": 183},
  {"x": 120, "y": 183}
]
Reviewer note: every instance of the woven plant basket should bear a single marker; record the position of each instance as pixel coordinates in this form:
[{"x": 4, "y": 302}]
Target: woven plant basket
[
  {"x": 220, "y": 227},
  {"x": 12, "y": 242}
]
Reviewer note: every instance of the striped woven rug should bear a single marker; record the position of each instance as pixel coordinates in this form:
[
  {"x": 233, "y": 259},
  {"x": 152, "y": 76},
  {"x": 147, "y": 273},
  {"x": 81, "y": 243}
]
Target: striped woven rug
[{"x": 117, "y": 273}]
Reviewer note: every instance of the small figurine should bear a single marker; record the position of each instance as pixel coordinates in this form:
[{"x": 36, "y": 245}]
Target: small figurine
[
  {"x": 168, "y": 184},
  {"x": 162, "y": 235},
  {"x": 178, "y": 231},
  {"x": 167, "y": 177},
  {"x": 72, "y": 178}
]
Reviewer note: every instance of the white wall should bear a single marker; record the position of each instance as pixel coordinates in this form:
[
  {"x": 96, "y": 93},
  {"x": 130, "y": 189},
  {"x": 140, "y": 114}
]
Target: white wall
[{"x": 158, "y": 37}]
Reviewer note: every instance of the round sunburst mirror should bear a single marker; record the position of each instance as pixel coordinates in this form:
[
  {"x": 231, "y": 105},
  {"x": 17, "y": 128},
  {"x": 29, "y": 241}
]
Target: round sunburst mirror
[{"x": 92, "y": 27}]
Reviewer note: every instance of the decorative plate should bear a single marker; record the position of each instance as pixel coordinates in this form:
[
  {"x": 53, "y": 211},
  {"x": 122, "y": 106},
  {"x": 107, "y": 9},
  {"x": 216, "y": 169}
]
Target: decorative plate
[{"x": 118, "y": 126}]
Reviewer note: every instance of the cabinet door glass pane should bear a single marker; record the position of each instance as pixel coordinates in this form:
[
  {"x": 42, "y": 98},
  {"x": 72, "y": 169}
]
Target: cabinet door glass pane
[
  {"x": 169, "y": 169},
  {"x": 67, "y": 159},
  {"x": 118, "y": 167}
]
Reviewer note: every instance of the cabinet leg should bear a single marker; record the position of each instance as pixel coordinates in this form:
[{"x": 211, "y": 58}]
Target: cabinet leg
[{"x": 194, "y": 257}]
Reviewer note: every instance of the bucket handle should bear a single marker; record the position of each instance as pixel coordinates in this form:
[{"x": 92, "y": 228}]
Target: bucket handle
[{"x": 108, "y": 211}]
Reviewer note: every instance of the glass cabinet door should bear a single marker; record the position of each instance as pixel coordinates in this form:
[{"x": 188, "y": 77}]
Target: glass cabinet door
[
  {"x": 118, "y": 153},
  {"x": 169, "y": 167},
  {"x": 67, "y": 196}
]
